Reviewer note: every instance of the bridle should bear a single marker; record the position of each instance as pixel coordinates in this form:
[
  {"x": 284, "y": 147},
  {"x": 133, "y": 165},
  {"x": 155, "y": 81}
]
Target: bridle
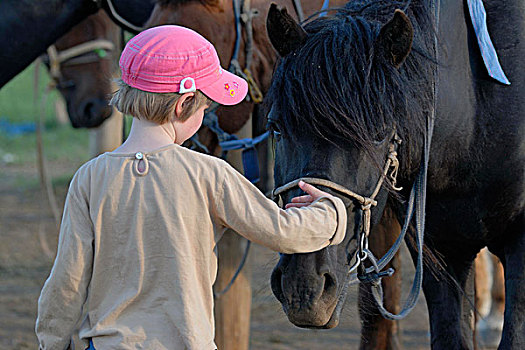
[
  {"x": 375, "y": 272},
  {"x": 390, "y": 171}
]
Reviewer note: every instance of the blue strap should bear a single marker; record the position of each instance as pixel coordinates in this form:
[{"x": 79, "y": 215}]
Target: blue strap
[
  {"x": 488, "y": 52},
  {"x": 212, "y": 122},
  {"x": 237, "y": 18},
  {"x": 324, "y": 9},
  {"x": 250, "y": 164},
  {"x": 91, "y": 346},
  {"x": 235, "y": 143},
  {"x": 229, "y": 142},
  {"x": 198, "y": 144},
  {"x": 250, "y": 161}
]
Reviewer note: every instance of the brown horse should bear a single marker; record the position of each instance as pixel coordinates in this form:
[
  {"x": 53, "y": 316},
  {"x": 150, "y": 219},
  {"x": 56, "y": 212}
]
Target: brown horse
[
  {"x": 81, "y": 64},
  {"x": 214, "y": 19}
]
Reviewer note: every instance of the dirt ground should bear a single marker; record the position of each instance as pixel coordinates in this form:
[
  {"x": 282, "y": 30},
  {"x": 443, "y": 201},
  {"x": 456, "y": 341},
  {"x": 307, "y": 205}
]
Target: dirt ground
[{"x": 26, "y": 220}]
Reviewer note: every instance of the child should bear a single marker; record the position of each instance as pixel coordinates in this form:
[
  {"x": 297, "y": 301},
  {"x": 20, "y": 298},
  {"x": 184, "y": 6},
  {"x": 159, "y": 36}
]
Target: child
[{"x": 140, "y": 225}]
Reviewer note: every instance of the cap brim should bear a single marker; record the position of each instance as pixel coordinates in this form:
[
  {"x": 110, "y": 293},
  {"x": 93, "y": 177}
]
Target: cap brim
[{"x": 229, "y": 90}]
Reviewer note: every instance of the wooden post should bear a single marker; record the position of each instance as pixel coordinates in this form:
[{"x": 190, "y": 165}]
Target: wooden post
[
  {"x": 108, "y": 136},
  {"x": 232, "y": 309}
]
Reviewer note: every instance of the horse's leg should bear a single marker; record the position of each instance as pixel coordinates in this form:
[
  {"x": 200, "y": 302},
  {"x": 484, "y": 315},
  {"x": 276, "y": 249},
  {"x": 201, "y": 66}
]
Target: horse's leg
[
  {"x": 378, "y": 332},
  {"x": 498, "y": 287},
  {"x": 483, "y": 281},
  {"x": 450, "y": 298},
  {"x": 513, "y": 336},
  {"x": 489, "y": 328}
]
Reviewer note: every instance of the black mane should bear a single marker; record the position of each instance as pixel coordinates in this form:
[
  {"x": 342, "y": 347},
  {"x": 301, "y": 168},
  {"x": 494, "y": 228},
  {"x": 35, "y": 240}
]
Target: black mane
[{"x": 337, "y": 87}]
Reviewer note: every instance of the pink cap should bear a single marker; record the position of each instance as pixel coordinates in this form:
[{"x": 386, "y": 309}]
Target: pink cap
[{"x": 177, "y": 59}]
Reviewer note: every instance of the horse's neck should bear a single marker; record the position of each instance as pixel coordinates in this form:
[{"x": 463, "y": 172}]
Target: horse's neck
[{"x": 28, "y": 31}]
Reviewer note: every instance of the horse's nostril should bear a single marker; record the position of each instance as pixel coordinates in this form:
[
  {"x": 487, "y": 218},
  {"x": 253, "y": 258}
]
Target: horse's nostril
[
  {"x": 329, "y": 283},
  {"x": 89, "y": 109},
  {"x": 276, "y": 284},
  {"x": 91, "y": 113}
]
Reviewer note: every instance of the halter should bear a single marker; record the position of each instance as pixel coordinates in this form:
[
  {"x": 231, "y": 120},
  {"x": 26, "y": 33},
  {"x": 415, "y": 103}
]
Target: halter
[
  {"x": 390, "y": 171},
  {"x": 88, "y": 52}
]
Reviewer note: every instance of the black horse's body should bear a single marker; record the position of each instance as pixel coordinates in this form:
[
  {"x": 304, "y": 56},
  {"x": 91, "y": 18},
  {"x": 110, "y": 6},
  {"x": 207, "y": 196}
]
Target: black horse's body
[
  {"x": 343, "y": 85},
  {"x": 28, "y": 28}
]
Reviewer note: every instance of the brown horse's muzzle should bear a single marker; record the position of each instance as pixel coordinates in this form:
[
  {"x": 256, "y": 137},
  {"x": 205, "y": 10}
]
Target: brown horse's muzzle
[{"x": 90, "y": 113}]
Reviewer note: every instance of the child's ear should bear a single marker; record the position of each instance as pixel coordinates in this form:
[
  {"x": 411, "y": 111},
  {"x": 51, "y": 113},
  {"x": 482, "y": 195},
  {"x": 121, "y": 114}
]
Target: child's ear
[{"x": 182, "y": 102}]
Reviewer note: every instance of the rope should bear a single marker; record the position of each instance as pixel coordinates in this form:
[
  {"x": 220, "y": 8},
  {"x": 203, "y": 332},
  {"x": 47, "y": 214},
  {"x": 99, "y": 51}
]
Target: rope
[
  {"x": 45, "y": 180},
  {"x": 119, "y": 18},
  {"x": 87, "y": 47},
  {"x": 326, "y": 183},
  {"x": 237, "y": 272},
  {"x": 298, "y": 10},
  {"x": 247, "y": 17}
]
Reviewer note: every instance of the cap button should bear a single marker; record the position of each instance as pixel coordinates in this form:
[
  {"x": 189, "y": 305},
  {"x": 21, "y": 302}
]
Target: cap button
[{"x": 139, "y": 155}]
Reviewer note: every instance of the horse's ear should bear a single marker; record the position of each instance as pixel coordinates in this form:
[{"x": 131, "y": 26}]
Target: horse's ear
[
  {"x": 284, "y": 32},
  {"x": 395, "y": 39}
]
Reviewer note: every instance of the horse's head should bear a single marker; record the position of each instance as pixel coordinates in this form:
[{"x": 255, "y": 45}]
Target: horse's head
[
  {"x": 337, "y": 99},
  {"x": 82, "y": 67}
]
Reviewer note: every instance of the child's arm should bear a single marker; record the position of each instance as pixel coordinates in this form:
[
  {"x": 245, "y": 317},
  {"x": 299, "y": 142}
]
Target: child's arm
[
  {"x": 64, "y": 293},
  {"x": 301, "y": 228}
]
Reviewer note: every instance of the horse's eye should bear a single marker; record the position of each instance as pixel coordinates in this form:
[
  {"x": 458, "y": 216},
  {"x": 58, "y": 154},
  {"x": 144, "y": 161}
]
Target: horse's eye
[{"x": 66, "y": 84}]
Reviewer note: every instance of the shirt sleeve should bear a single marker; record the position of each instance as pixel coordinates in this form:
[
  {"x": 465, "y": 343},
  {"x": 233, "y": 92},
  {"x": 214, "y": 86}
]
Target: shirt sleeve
[
  {"x": 65, "y": 291},
  {"x": 243, "y": 208}
]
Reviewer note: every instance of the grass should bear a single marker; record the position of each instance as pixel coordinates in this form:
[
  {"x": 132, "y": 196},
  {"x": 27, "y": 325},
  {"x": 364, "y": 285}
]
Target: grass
[{"x": 61, "y": 142}]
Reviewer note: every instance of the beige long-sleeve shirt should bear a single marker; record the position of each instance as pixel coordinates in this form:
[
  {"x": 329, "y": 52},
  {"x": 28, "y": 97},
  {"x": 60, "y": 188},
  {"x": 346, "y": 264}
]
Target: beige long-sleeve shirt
[{"x": 136, "y": 249}]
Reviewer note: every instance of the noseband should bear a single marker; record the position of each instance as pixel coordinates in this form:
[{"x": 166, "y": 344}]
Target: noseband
[
  {"x": 390, "y": 170},
  {"x": 87, "y": 52}
]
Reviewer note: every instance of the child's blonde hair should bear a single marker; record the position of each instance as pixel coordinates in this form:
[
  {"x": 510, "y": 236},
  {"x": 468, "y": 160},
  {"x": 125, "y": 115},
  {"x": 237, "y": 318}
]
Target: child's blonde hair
[{"x": 155, "y": 107}]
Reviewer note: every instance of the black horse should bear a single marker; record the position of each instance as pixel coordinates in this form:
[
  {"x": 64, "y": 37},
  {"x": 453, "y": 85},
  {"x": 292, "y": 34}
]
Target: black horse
[
  {"x": 28, "y": 28},
  {"x": 350, "y": 83}
]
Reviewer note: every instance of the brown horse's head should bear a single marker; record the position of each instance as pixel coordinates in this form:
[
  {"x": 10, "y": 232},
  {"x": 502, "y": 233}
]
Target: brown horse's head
[
  {"x": 84, "y": 78},
  {"x": 214, "y": 19}
]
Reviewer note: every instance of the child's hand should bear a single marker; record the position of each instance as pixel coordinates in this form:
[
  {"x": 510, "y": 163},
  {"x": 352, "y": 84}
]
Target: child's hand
[{"x": 303, "y": 201}]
